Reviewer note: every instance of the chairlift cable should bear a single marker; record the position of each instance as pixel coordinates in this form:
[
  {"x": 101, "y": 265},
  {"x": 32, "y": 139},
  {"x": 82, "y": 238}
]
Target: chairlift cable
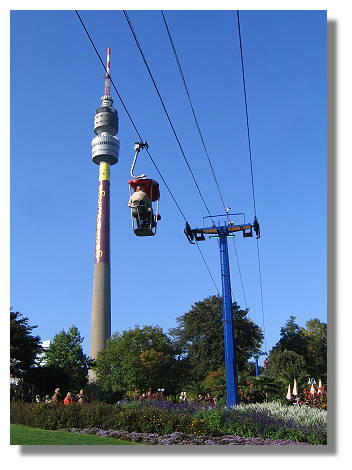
[
  {"x": 139, "y": 135},
  {"x": 164, "y": 107},
  {"x": 261, "y": 293},
  {"x": 203, "y": 142},
  {"x": 192, "y": 107},
  {"x": 206, "y": 264},
  {"x": 130, "y": 117},
  {"x": 246, "y": 108},
  {"x": 239, "y": 271},
  {"x": 251, "y": 167}
]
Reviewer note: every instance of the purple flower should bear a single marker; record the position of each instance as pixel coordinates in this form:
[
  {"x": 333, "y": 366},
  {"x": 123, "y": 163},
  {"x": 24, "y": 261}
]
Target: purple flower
[{"x": 177, "y": 438}]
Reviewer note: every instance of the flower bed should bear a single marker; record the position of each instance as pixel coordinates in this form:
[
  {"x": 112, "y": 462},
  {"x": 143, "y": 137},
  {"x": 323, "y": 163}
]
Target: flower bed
[
  {"x": 178, "y": 438},
  {"x": 265, "y": 421}
]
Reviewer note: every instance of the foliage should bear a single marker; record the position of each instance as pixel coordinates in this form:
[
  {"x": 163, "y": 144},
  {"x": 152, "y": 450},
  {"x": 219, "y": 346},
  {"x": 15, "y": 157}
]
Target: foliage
[
  {"x": 258, "y": 389},
  {"x": 215, "y": 383},
  {"x": 24, "y": 347},
  {"x": 318, "y": 399},
  {"x": 95, "y": 392},
  {"x": 200, "y": 336},
  {"x": 315, "y": 333},
  {"x": 309, "y": 342},
  {"x": 260, "y": 420},
  {"x": 137, "y": 359},
  {"x": 47, "y": 379},
  {"x": 286, "y": 366},
  {"x": 301, "y": 415},
  {"x": 178, "y": 438},
  {"x": 179, "y": 408},
  {"x": 291, "y": 338},
  {"x": 263, "y": 421},
  {"x": 66, "y": 352}
]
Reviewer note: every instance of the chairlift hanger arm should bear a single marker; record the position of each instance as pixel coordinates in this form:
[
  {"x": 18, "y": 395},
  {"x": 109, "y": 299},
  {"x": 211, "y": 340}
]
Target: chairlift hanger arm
[{"x": 138, "y": 146}]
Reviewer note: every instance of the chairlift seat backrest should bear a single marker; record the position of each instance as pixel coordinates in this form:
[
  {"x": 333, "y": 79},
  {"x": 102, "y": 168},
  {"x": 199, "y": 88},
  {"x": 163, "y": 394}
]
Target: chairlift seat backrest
[{"x": 150, "y": 187}]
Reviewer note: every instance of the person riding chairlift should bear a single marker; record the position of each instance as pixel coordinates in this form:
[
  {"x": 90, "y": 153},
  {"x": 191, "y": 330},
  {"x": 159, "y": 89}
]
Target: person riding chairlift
[{"x": 141, "y": 207}]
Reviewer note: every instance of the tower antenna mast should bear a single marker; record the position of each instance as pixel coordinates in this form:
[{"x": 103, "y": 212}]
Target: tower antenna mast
[{"x": 107, "y": 75}]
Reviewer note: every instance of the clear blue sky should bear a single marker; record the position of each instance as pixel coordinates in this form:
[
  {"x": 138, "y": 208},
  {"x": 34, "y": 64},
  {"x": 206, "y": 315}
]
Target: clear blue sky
[{"x": 56, "y": 84}]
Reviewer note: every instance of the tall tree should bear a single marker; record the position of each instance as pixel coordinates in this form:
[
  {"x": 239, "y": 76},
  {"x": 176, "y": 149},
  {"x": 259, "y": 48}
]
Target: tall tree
[
  {"x": 137, "y": 359},
  {"x": 200, "y": 335},
  {"x": 24, "y": 347},
  {"x": 315, "y": 333},
  {"x": 287, "y": 366},
  {"x": 292, "y": 338},
  {"x": 66, "y": 352},
  {"x": 309, "y": 342}
]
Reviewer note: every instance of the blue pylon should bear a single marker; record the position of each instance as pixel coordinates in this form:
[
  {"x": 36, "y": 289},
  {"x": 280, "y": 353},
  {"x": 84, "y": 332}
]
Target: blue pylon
[
  {"x": 256, "y": 357},
  {"x": 232, "y": 398},
  {"x": 222, "y": 232}
]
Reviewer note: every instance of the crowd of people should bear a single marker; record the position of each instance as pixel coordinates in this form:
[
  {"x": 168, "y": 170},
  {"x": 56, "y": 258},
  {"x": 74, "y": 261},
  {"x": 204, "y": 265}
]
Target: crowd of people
[
  {"x": 23, "y": 391},
  {"x": 182, "y": 398},
  {"x": 57, "y": 398},
  {"x": 150, "y": 395},
  {"x": 20, "y": 390}
]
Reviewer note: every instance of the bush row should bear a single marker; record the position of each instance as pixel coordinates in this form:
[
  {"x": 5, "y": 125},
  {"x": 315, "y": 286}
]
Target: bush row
[{"x": 215, "y": 422}]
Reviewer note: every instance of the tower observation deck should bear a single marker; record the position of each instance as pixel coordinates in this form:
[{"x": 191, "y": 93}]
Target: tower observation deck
[{"x": 105, "y": 152}]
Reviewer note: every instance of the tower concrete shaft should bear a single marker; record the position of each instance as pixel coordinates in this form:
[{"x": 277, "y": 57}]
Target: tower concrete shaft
[
  {"x": 105, "y": 152},
  {"x": 101, "y": 302}
]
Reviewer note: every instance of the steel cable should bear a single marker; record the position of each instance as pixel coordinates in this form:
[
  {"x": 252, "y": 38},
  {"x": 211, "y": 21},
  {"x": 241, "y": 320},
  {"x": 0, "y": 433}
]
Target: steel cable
[
  {"x": 164, "y": 107},
  {"x": 140, "y": 137},
  {"x": 251, "y": 166},
  {"x": 203, "y": 142}
]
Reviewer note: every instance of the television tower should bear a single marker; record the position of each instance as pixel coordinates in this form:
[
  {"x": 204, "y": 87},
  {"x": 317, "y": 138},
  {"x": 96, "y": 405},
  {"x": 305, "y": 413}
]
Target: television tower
[{"x": 105, "y": 152}]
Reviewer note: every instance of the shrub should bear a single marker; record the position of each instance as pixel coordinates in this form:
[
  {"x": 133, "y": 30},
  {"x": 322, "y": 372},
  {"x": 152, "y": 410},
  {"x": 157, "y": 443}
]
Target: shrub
[{"x": 268, "y": 421}]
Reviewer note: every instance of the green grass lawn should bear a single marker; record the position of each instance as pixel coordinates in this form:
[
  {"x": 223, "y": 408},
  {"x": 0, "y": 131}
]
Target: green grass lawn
[{"x": 24, "y": 435}]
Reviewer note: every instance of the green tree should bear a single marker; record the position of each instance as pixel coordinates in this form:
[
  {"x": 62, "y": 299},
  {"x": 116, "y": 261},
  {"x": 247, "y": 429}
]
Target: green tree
[
  {"x": 200, "y": 335},
  {"x": 24, "y": 347},
  {"x": 137, "y": 359},
  {"x": 315, "y": 333},
  {"x": 215, "y": 383},
  {"x": 66, "y": 352},
  {"x": 292, "y": 338},
  {"x": 286, "y": 366},
  {"x": 309, "y": 342}
]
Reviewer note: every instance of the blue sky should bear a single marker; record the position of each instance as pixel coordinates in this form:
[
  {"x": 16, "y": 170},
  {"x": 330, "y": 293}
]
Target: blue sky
[{"x": 56, "y": 84}]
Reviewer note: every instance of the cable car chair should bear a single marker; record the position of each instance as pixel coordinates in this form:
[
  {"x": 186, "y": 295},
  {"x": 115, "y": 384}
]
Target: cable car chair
[{"x": 144, "y": 216}]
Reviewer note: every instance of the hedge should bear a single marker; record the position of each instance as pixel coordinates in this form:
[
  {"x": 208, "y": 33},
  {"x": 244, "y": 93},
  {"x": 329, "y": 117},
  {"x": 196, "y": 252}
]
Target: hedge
[{"x": 215, "y": 422}]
